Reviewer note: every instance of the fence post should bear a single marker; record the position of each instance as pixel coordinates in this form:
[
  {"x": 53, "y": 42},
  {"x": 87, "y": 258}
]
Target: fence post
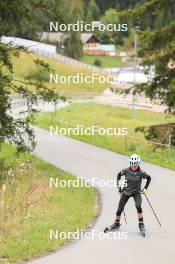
[
  {"x": 169, "y": 148},
  {"x": 163, "y": 156}
]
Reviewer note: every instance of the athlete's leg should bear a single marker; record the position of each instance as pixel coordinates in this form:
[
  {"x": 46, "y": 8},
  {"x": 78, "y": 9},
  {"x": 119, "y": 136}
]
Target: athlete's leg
[
  {"x": 138, "y": 203},
  {"x": 123, "y": 200}
]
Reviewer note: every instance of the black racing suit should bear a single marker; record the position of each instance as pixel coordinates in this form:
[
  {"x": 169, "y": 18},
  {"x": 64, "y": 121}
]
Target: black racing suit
[{"x": 133, "y": 188}]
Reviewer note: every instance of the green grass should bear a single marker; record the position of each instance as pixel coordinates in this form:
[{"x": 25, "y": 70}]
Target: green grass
[
  {"x": 24, "y": 65},
  {"x": 65, "y": 209},
  {"x": 106, "y": 61},
  {"x": 91, "y": 114}
]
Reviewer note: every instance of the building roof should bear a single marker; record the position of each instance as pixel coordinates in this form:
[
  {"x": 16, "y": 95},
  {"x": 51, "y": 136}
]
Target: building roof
[
  {"x": 52, "y": 36},
  {"x": 86, "y": 36},
  {"x": 59, "y": 36}
]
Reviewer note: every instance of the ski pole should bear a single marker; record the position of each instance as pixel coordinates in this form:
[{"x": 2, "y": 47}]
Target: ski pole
[
  {"x": 152, "y": 209},
  {"x": 124, "y": 216}
]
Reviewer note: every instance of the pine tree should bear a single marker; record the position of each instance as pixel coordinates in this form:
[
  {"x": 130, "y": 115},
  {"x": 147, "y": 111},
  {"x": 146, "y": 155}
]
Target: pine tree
[
  {"x": 74, "y": 13},
  {"x": 157, "y": 48},
  {"x": 13, "y": 16}
]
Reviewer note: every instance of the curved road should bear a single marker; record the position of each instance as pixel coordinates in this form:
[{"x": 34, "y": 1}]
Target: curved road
[{"x": 88, "y": 161}]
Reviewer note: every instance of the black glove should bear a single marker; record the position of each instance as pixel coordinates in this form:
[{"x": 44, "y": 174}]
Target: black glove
[{"x": 119, "y": 189}]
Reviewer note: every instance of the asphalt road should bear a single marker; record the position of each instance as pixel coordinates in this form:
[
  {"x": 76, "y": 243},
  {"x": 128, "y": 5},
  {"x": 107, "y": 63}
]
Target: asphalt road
[{"x": 88, "y": 161}]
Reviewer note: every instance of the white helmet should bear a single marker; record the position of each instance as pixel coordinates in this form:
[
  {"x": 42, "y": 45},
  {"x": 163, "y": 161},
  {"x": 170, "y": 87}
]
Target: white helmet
[{"x": 134, "y": 160}]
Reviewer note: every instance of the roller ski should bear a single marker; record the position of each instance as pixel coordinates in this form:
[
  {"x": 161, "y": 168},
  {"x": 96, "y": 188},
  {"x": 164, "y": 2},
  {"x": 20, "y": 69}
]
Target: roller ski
[
  {"x": 142, "y": 229},
  {"x": 113, "y": 227}
]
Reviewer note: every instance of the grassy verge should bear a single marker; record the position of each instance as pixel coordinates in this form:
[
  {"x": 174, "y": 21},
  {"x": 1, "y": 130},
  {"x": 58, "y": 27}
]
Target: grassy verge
[
  {"x": 91, "y": 114},
  {"x": 24, "y": 65},
  {"x": 30, "y": 208},
  {"x": 106, "y": 61}
]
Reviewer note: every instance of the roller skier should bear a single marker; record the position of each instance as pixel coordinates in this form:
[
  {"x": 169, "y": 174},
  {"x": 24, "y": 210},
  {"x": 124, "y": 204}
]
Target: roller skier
[{"x": 133, "y": 176}]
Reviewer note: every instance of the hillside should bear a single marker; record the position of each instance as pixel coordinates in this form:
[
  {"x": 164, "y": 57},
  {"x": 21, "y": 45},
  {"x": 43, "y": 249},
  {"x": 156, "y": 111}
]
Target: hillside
[{"x": 24, "y": 66}]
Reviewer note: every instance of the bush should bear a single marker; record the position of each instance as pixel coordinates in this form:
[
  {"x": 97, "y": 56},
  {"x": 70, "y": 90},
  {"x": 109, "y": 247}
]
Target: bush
[{"x": 97, "y": 62}]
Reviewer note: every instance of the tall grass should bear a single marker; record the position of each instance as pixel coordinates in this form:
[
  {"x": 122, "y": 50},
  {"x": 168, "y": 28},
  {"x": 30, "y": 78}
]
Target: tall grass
[{"x": 29, "y": 208}]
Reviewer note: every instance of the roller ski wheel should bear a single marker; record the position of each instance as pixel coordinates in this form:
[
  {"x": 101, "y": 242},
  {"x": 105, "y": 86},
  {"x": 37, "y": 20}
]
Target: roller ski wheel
[
  {"x": 142, "y": 229},
  {"x": 113, "y": 227}
]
